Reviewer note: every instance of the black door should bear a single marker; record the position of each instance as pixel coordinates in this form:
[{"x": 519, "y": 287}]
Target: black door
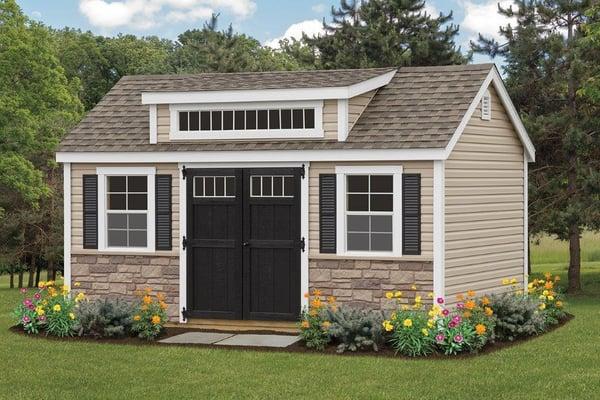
[{"x": 244, "y": 243}]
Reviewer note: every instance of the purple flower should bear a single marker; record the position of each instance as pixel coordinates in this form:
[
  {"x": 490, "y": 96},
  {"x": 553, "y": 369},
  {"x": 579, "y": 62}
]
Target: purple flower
[
  {"x": 457, "y": 319},
  {"x": 440, "y": 300},
  {"x": 440, "y": 338},
  {"x": 458, "y": 339},
  {"x": 42, "y": 318},
  {"x": 445, "y": 312},
  {"x": 27, "y": 302},
  {"x": 452, "y": 324},
  {"x": 31, "y": 307},
  {"x": 26, "y": 319},
  {"x": 460, "y": 306},
  {"x": 23, "y": 290},
  {"x": 37, "y": 296}
]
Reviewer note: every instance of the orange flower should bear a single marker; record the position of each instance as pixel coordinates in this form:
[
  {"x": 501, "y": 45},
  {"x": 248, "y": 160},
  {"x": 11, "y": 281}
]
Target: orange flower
[
  {"x": 306, "y": 295},
  {"x": 325, "y": 325},
  {"x": 148, "y": 290},
  {"x": 548, "y": 276},
  {"x": 312, "y": 313},
  {"x": 316, "y": 292},
  {"x": 147, "y": 299},
  {"x": 480, "y": 329},
  {"x": 163, "y": 305},
  {"x": 137, "y": 318},
  {"x": 467, "y": 314},
  {"x": 470, "y": 304},
  {"x": 485, "y": 301},
  {"x": 460, "y": 297},
  {"x": 305, "y": 324},
  {"x": 316, "y": 303},
  {"x": 471, "y": 293},
  {"x": 160, "y": 296},
  {"x": 488, "y": 311},
  {"x": 155, "y": 320},
  {"x": 549, "y": 285},
  {"x": 556, "y": 278},
  {"x": 331, "y": 299}
]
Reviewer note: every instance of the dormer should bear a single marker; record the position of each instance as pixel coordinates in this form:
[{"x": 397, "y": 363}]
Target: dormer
[{"x": 308, "y": 105}]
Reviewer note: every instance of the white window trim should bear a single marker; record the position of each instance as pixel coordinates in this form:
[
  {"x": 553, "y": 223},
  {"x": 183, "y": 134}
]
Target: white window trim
[
  {"x": 176, "y": 134},
  {"x": 486, "y": 98},
  {"x": 341, "y": 173},
  {"x": 104, "y": 172}
]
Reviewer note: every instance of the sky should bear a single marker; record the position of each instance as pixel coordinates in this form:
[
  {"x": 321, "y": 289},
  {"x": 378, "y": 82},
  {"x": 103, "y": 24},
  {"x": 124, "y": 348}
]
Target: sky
[{"x": 266, "y": 20}]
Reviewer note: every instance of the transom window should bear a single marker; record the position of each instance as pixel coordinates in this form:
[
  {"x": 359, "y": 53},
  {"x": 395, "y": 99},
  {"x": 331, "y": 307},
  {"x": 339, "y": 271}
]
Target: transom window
[
  {"x": 272, "y": 186},
  {"x": 214, "y": 186},
  {"x": 247, "y": 120},
  {"x": 369, "y": 212},
  {"x": 127, "y": 211}
]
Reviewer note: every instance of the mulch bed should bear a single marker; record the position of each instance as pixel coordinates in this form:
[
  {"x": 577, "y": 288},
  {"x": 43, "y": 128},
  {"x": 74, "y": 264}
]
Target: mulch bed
[{"x": 298, "y": 347}]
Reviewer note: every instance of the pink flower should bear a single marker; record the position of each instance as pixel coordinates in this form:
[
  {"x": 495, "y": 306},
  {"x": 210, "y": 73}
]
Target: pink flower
[
  {"x": 457, "y": 319},
  {"x": 452, "y": 324},
  {"x": 445, "y": 312},
  {"x": 458, "y": 339},
  {"x": 26, "y": 319},
  {"x": 440, "y": 300},
  {"x": 37, "y": 296},
  {"x": 42, "y": 318},
  {"x": 23, "y": 290},
  {"x": 460, "y": 306},
  {"x": 27, "y": 302},
  {"x": 31, "y": 307},
  {"x": 440, "y": 338}
]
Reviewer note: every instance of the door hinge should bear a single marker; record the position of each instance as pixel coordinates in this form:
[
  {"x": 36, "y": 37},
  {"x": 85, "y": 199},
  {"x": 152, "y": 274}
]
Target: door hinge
[
  {"x": 184, "y": 242},
  {"x": 302, "y": 244},
  {"x": 302, "y": 171},
  {"x": 184, "y": 314},
  {"x": 183, "y": 172}
]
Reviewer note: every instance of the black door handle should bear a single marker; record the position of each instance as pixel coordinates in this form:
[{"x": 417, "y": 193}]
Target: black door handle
[{"x": 245, "y": 244}]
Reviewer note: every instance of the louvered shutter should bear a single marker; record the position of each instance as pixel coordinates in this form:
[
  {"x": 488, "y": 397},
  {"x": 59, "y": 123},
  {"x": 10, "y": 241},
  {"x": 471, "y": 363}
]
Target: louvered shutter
[
  {"x": 327, "y": 213},
  {"x": 90, "y": 211},
  {"x": 163, "y": 212},
  {"x": 411, "y": 214}
]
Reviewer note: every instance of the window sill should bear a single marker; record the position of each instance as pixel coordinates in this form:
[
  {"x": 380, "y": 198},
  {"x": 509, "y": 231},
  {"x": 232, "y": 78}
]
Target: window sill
[
  {"x": 158, "y": 253},
  {"x": 419, "y": 258}
]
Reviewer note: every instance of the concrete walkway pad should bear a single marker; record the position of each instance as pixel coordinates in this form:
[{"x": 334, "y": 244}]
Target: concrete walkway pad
[
  {"x": 197, "y": 338},
  {"x": 259, "y": 340}
]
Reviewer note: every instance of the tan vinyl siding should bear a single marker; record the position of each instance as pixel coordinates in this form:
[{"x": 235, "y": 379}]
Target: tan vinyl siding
[
  {"x": 77, "y": 172},
  {"x": 484, "y": 205},
  {"x": 356, "y": 106},
  {"x": 425, "y": 168},
  {"x": 330, "y": 116},
  {"x": 162, "y": 123}
]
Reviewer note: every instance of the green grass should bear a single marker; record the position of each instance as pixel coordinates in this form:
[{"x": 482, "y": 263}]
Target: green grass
[
  {"x": 547, "y": 250},
  {"x": 563, "y": 364}
]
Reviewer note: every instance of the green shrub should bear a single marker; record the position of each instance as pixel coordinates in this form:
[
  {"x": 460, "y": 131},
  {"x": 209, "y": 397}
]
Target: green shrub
[
  {"x": 104, "y": 318},
  {"x": 517, "y": 315},
  {"x": 411, "y": 332},
  {"x": 455, "y": 334},
  {"x": 355, "y": 329}
]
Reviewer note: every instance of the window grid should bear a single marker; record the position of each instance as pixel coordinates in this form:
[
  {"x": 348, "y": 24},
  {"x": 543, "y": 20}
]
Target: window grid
[
  {"x": 274, "y": 120},
  {"x": 127, "y": 212},
  {"x": 268, "y": 182},
  {"x": 208, "y": 182}
]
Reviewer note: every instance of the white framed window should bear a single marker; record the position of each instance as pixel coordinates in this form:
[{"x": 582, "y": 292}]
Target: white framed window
[
  {"x": 369, "y": 219},
  {"x": 486, "y": 106},
  {"x": 126, "y": 208},
  {"x": 246, "y": 120}
]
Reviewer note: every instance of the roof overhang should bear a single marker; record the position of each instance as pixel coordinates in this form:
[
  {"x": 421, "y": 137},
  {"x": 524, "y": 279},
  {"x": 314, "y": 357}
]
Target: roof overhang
[
  {"x": 253, "y": 95},
  {"x": 495, "y": 79}
]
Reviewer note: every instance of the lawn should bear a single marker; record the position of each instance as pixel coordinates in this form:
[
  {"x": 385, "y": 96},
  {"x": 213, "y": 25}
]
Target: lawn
[{"x": 564, "y": 364}]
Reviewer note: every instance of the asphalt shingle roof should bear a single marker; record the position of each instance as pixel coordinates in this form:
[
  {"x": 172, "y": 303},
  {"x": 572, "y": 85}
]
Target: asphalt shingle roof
[{"x": 420, "y": 108}]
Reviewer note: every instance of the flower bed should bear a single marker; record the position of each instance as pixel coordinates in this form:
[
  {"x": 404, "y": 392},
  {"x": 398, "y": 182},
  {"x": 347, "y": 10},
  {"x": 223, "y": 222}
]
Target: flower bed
[{"x": 470, "y": 326}]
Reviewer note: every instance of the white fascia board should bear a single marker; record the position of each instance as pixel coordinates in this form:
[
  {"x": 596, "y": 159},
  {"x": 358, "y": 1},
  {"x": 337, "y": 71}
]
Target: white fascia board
[
  {"x": 495, "y": 78},
  {"x": 252, "y": 156},
  {"x": 254, "y": 95}
]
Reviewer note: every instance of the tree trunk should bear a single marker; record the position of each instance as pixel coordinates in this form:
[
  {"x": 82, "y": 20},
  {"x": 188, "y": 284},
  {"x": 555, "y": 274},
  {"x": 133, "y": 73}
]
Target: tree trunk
[
  {"x": 574, "y": 259},
  {"x": 12, "y": 279},
  {"x": 20, "y": 281},
  {"x": 38, "y": 272},
  {"x": 50, "y": 270},
  {"x": 31, "y": 272}
]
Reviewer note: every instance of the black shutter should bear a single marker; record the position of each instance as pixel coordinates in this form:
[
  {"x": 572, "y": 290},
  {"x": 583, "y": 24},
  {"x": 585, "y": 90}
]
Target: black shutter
[
  {"x": 163, "y": 212},
  {"x": 90, "y": 211},
  {"x": 327, "y": 213},
  {"x": 411, "y": 214}
]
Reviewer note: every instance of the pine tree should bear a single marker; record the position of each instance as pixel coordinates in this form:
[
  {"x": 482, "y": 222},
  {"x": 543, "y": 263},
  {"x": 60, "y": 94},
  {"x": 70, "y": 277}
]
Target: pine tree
[{"x": 546, "y": 68}]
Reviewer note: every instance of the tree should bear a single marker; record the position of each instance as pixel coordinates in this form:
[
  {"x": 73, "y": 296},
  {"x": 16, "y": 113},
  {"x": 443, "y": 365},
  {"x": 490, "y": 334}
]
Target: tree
[
  {"x": 383, "y": 33},
  {"x": 546, "y": 67}
]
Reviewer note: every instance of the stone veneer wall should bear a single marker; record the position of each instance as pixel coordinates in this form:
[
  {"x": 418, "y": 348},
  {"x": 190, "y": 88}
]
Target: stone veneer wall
[
  {"x": 122, "y": 276},
  {"x": 363, "y": 283}
]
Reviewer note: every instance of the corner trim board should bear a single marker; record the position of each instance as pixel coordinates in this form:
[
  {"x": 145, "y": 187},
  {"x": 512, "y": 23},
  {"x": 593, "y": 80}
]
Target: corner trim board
[
  {"x": 439, "y": 229},
  {"x": 153, "y": 124},
  {"x": 525, "y": 221},
  {"x": 67, "y": 223}
]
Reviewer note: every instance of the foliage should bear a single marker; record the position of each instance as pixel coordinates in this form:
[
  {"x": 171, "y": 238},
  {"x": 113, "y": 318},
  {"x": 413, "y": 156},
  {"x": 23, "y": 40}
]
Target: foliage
[
  {"x": 517, "y": 315},
  {"x": 30, "y": 313},
  {"x": 150, "y": 315},
  {"x": 550, "y": 297},
  {"x": 384, "y": 33},
  {"x": 314, "y": 325},
  {"x": 355, "y": 329},
  {"x": 455, "y": 334},
  {"x": 104, "y": 318},
  {"x": 411, "y": 329},
  {"x": 480, "y": 315}
]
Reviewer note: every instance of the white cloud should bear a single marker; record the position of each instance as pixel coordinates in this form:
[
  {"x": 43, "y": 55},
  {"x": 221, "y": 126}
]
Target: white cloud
[
  {"x": 311, "y": 27},
  {"x": 484, "y": 18},
  {"x": 36, "y": 14},
  {"x": 319, "y": 8},
  {"x": 431, "y": 10},
  {"x": 143, "y": 14}
]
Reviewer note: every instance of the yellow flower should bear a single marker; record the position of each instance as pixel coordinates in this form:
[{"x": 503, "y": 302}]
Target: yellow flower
[
  {"x": 425, "y": 332},
  {"x": 41, "y": 284},
  {"x": 398, "y": 294},
  {"x": 432, "y": 313},
  {"x": 417, "y": 299},
  {"x": 313, "y": 313},
  {"x": 389, "y": 295},
  {"x": 137, "y": 317},
  {"x": 77, "y": 284},
  {"x": 393, "y": 316},
  {"x": 559, "y": 304},
  {"x": 471, "y": 293},
  {"x": 155, "y": 320},
  {"x": 407, "y": 322},
  {"x": 331, "y": 299},
  {"x": 430, "y": 323},
  {"x": 56, "y": 307},
  {"x": 79, "y": 297},
  {"x": 388, "y": 326},
  {"x": 556, "y": 278},
  {"x": 485, "y": 301},
  {"x": 548, "y": 275},
  {"x": 542, "y": 306},
  {"x": 505, "y": 281},
  {"x": 480, "y": 329},
  {"x": 550, "y": 298},
  {"x": 316, "y": 292},
  {"x": 305, "y": 324},
  {"x": 40, "y": 311},
  {"x": 50, "y": 283},
  {"x": 71, "y": 315},
  {"x": 414, "y": 287},
  {"x": 430, "y": 295},
  {"x": 513, "y": 281},
  {"x": 545, "y": 293},
  {"x": 460, "y": 297},
  {"x": 488, "y": 311},
  {"x": 147, "y": 299},
  {"x": 542, "y": 297},
  {"x": 404, "y": 307},
  {"x": 530, "y": 285},
  {"x": 325, "y": 325}
]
